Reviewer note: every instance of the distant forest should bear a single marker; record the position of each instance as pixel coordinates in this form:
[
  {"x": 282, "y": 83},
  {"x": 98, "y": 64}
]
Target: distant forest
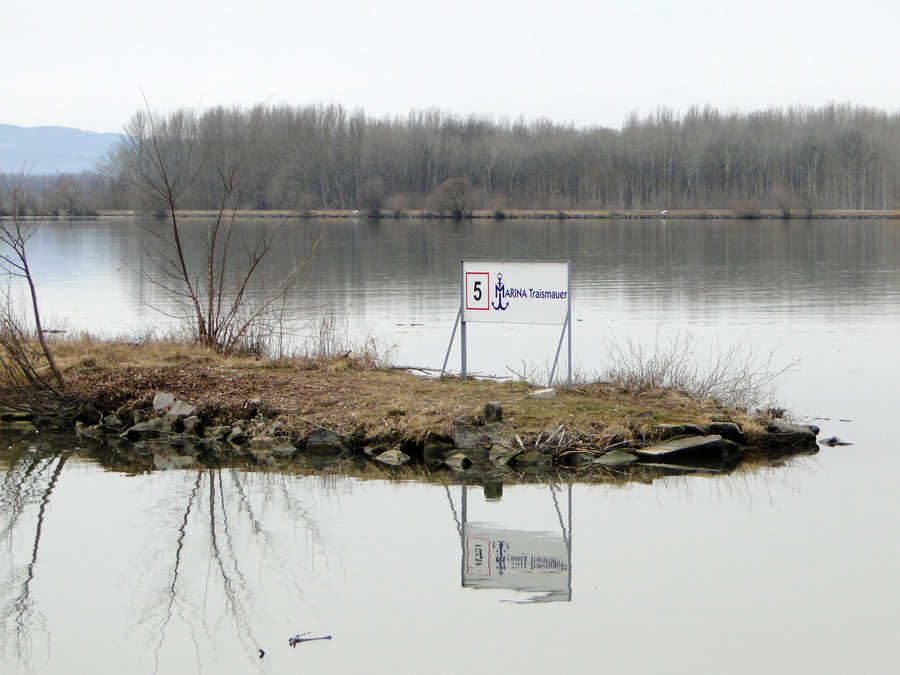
[{"x": 797, "y": 159}]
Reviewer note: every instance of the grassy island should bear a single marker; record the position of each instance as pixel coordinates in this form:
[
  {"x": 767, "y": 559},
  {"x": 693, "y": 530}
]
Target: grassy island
[{"x": 349, "y": 413}]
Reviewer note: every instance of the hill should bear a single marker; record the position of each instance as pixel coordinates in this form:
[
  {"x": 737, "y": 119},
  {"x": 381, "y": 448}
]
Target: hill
[{"x": 51, "y": 150}]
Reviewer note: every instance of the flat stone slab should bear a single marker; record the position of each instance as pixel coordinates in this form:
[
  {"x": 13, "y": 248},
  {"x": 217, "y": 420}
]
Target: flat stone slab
[{"x": 710, "y": 446}]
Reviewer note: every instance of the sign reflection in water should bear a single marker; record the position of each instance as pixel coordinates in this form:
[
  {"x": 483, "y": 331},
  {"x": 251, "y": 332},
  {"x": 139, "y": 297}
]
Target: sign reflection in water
[{"x": 518, "y": 560}]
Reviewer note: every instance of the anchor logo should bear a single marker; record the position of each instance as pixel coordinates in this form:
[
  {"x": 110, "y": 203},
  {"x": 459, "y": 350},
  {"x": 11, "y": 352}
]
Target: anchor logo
[{"x": 498, "y": 293}]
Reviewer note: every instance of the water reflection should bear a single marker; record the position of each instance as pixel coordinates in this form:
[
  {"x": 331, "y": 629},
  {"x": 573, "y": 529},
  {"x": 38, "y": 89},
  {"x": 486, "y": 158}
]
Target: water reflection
[
  {"x": 494, "y": 557},
  {"x": 29, "y": 482}
]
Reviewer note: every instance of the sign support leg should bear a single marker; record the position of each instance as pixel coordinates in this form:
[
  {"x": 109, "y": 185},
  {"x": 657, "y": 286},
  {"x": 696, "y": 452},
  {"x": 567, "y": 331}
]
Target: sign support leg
[
  {"x": 566, "y": 326},
  {"x": 462, "y": 351},
  {"x": 450, "y": 346}
]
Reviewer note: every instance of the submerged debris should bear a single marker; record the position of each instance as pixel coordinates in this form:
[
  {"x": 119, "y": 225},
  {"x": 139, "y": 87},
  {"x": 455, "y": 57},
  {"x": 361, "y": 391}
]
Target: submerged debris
[{"x": 298, "y": 638}]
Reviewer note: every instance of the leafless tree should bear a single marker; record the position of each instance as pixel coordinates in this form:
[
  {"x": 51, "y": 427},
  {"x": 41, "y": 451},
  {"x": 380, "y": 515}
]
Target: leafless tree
[
  {"x": 22, "y": 363},
  {"x": 181, "y": 156}
]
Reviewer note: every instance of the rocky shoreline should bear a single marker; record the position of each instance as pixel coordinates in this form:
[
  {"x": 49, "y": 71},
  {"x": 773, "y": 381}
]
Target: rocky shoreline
[{"x": 174, "y": 434}]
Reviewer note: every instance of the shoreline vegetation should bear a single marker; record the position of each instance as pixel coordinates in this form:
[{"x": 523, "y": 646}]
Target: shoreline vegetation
[
  {"x": 504, "y": 214},
  {"x": 162, "y": 404}
]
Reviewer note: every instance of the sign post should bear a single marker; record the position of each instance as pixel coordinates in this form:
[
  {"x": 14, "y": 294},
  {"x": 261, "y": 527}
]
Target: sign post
[{"x": 515, "y": 291}]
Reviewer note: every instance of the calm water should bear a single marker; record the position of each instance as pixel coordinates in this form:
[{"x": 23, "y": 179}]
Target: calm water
[{"x": 790, "y": 569}]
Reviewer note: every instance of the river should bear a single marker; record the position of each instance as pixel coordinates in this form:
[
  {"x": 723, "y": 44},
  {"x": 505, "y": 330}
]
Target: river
[{"x": 787, "y": 569}]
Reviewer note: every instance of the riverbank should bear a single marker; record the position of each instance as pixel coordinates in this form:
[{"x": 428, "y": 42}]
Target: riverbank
[
  {"x": 552, "y": 214},
  {"x": 169, "y": 405}
]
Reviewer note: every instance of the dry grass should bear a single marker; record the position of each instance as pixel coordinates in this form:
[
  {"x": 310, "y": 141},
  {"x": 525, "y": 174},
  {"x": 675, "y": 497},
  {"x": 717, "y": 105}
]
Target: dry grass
[{"x": 354, "y": 393}]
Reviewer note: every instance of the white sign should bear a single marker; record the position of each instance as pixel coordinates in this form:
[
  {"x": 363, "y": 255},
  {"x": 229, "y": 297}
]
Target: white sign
[
  {"x": 516, "y": 560},
  {"x": 515, "y": 292}
]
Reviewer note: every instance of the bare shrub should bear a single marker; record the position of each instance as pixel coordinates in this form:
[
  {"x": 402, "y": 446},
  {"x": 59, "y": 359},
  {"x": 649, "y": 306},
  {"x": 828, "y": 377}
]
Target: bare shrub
[{"x": 736, "y": 375}]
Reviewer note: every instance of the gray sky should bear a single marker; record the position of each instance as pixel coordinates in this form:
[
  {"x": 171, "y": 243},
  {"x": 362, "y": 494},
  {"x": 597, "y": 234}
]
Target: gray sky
[{"x": 84, "y": 63}]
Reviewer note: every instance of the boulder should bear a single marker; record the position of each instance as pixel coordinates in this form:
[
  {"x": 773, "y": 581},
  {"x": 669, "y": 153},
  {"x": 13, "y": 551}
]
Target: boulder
[
  {"x": 467, "y": 435},
  {"x": 237, "y": 436},
  {"x": 500, "y": 455},
  {"x": 324, "y": 443},
  {"x": 459, "y": 462},
  {"x": 533, "y": 460},
  {"x": 493, "y": 412},
  {"x": 785, "y": 436},
  {"x": 95, "y": 431},
  {"x": 162, "y": 401},
  {"x": 113, "y": 422},
  {"x": 142, "y": 431},
  {"x": 191, "y": 425},
  {"x": 577, "y": 458},
  {"x": 393, "y": 457},
  {"x": 729, "y": 431},
  {"x": 695, "y": 446},
  {"x": 180, "y": 409},
  {"x": 219, "y": 433},
  {"x": 433, "y": 453}
]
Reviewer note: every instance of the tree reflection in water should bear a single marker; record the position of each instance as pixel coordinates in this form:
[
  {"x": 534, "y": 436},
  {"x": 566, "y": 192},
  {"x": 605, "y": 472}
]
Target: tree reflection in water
[
  {"x": 204, "y": 596},
  {"x": 29, "y": 482}
]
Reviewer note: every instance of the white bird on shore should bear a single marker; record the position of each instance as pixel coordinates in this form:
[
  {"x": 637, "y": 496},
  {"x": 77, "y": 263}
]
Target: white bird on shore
[{"x": 663, "y": 212}]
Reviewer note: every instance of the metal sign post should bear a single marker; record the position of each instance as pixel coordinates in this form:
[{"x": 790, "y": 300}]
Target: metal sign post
[{"x": 514, "y": 291}]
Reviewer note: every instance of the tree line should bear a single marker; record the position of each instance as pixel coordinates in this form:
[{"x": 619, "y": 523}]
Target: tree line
[{"x": 836, "y": 156}]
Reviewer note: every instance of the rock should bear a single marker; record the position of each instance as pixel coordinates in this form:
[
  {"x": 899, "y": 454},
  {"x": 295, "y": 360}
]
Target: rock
[
  {"x": 113, "y": 422},
  {"x": 261, "y": 443},
  {"x": 191, "y": 425},
  {"x": 470, "y": 436},
  {"x": 237, "y": 436},
  {"x": 284, "y": 449},
  {"x": 500, "y": 455},
  {"x": 144, "y": 430},
  {"x": 779, "y": 427},
  {"x": 433, "y": 453},
  {"x": 667, "y": 431},
  {"x": 324, "y": 443},
  {"x": 493, "y": 412},
  {"x": 533, "y": 460},
  {"x": 542, "y": 394},
  {"x": 90, "y": 414},
  {"x": 616, "y": 458},
  {"x": 95, "y": 431},
  {"x": 577, "y": 458},
  {"x": 180, "y": 409},
  {"x": 162, "y": 401},
  {"x": 784, "y": 436},
  {"x": 729, "y": 431},
  {"x": 459, "y": 462},
  {"x": 219, "y": 433},
  {"x": 393, "y": 457},
  {"x": 833, "y": 441},
  {"x": 705, "y": 446}
]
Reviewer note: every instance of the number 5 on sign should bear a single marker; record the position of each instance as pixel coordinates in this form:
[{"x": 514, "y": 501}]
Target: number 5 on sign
[{"x": 478, "y": 290}]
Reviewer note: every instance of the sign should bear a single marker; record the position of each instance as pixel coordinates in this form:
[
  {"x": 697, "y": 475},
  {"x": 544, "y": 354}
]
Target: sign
[
  {"x": 536, "y": 562},
  {"x": 497, "y": 291}
]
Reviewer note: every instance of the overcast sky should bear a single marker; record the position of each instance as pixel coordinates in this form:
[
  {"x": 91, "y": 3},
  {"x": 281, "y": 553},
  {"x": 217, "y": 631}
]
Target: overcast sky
[{"x": 84, "y": 63}]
